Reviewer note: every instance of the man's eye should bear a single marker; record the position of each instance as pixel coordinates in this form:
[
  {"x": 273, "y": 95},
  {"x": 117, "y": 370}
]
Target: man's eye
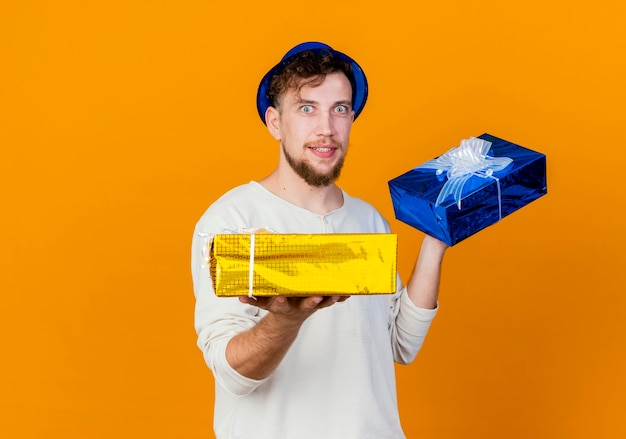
[
  {"x": 341, "y": 109},
  {"x": 307, "y": 108}
]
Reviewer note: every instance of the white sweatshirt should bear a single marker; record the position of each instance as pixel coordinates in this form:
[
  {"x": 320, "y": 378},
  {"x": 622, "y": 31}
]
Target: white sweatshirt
[{"x": 337, "y": 380}]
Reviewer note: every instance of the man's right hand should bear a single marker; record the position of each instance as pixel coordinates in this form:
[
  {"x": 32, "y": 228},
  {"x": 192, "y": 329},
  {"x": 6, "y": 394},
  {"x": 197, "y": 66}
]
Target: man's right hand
[{"x": 293, "y": 308}]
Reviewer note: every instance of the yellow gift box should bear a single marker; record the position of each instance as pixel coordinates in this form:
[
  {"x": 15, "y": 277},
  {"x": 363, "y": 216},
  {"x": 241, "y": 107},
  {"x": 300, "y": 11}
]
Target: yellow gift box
[{"x": 303, "y": 264}]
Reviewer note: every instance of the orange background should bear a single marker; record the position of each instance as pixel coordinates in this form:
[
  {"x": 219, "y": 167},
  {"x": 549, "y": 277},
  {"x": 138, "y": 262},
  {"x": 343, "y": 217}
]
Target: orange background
[{"x": 122, "y": 121}]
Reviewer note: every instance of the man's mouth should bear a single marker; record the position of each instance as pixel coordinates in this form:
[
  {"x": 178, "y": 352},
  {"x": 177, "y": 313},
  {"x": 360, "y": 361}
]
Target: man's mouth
[{"x": 322, "y": 149}]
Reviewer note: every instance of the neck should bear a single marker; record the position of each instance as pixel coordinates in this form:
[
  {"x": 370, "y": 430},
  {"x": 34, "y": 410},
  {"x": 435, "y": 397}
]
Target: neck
[{"x": 296, "y": 191}]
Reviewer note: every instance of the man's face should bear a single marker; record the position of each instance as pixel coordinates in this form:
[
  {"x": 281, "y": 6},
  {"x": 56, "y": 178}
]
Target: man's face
[{"x": 313, "y": 127}]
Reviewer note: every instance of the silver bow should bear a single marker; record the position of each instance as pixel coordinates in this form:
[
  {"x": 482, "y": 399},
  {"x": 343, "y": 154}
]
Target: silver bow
[{"x": 463, "y": 162}]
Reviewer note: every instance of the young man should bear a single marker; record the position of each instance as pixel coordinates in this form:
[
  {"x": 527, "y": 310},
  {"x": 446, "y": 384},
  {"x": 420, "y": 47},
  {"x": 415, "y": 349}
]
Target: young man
[{"x": 313, "y": 367}]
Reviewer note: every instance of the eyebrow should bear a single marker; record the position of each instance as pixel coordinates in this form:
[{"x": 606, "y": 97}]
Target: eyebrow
[{"x": 346, "y": 102}]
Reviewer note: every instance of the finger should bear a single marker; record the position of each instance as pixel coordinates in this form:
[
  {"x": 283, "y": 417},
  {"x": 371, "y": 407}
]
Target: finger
[
  {"x": 281, "y": 300},
  {"x": 261, "y": 302},
  {"x": 247, "y": 299},
  {"x": 328, "y": 301},
  {"x": 312, "y": 302}
]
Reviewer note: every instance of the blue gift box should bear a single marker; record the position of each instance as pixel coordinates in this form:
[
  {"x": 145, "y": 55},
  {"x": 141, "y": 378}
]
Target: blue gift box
[{"x": 452, "y": 207}]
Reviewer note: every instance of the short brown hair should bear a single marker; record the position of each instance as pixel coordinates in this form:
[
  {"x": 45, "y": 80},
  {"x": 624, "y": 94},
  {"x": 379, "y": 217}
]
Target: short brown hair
[{"x": 308, "y": 68}]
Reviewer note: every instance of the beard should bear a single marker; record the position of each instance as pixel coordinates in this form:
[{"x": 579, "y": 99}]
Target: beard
[{"x": 313, "y": 178}]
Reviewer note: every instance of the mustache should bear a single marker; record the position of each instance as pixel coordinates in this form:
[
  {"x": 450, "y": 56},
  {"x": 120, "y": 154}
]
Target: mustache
[{"x": 323, "y": 142}]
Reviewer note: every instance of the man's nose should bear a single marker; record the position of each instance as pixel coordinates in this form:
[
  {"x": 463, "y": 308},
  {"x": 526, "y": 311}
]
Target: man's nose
[{"x": 324, "y": 124}]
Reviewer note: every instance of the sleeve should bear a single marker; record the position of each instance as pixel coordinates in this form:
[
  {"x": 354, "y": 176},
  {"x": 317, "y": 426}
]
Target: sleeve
[
  {"x": 218, "y": 319},
  {"x": 408, "y": 326}
]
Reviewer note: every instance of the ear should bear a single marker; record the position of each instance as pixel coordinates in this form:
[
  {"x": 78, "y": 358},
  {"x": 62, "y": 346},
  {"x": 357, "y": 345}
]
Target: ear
[{"x": 272, "y": 120}]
